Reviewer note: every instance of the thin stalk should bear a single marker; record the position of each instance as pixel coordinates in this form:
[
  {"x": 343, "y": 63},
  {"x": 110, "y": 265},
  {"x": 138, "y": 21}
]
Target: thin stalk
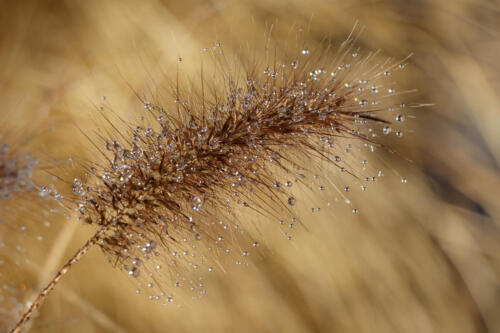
[{"x": 52, "y": 284}]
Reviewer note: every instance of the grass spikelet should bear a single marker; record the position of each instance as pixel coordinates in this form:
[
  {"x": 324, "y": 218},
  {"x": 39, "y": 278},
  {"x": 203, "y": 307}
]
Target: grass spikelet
[{"x": 168, "y": 194}]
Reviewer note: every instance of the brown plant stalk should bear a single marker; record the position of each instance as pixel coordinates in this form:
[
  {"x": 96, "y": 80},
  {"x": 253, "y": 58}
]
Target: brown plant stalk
[{"x": 65, "y": 269}]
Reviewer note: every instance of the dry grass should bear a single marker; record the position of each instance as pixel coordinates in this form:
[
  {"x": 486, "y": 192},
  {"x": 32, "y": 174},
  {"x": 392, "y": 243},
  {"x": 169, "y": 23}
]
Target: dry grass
[{"x": 423, "y": 257}]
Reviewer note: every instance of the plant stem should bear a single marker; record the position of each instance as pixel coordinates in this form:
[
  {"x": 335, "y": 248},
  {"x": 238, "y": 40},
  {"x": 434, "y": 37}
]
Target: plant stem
[{"x": 52, "y": 284}]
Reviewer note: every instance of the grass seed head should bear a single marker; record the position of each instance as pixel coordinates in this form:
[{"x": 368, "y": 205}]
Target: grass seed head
[{"x": 170, "y": 191}]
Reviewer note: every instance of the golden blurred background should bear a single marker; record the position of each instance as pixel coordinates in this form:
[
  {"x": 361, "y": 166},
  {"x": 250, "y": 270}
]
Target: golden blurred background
[{"x": 423, "y": 257}]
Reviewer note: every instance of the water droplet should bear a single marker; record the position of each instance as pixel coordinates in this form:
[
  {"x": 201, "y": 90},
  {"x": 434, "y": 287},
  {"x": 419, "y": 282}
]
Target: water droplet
[
  {"x": 196, "y": 204},
  {"x": 134, "y": 272},
  {"x": 44, "y": 192},
  {"x": 292, "y": 201}
]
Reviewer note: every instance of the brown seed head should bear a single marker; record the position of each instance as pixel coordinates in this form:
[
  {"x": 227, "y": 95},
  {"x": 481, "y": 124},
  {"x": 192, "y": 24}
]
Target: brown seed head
[{"x": 177, "y": 184}]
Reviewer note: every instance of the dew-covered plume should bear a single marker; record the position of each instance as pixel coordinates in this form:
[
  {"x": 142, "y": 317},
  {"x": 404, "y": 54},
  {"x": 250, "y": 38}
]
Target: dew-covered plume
[
  {"x": 176, "y": 195},
  {"x": 168, "y": 194}
]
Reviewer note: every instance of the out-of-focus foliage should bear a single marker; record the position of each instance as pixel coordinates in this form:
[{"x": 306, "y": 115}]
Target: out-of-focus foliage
[{"x": 423, "y": 257}]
